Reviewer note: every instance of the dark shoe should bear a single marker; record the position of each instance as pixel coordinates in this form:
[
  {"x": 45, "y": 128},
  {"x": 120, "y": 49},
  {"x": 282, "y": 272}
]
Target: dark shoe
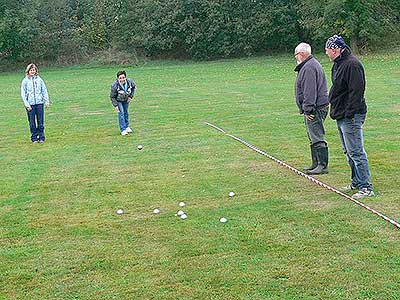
[
  {"x": 322, "y": 156},
  {"x": 314, "y": 159},
  {"x": 320, "y": 169}
]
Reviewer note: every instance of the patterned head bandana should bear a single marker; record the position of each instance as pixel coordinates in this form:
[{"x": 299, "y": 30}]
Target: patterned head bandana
[{"x": 335, "y": 42}]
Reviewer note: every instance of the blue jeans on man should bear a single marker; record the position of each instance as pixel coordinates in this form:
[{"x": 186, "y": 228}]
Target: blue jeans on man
[
  {"x": 123, "y": 115},
  {"x": 351, "y": 136},
  {"x": 36, "y": 122}
]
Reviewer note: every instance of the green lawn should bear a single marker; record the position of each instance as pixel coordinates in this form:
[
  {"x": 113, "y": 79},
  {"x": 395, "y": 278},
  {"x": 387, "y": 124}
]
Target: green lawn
[{"x": 286, "y": 238}]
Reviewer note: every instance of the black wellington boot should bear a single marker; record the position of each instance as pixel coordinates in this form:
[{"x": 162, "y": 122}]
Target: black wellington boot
[
  {"x": 322, "y": 155},
  {"x": 313, "y": 158}
]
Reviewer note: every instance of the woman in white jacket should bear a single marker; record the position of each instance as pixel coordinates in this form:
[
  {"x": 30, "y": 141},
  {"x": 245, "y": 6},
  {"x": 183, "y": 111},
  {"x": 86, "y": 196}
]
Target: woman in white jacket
[{"x": 35, "y": 97}]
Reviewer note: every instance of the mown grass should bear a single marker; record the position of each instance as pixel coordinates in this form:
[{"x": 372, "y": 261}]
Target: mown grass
[{"x": 285, "y": 239}]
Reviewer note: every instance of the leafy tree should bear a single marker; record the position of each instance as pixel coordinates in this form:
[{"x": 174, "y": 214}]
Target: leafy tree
[
  {"x": 67, "y": 30},
  {"x": 362, "y": 22},
  {"x": 13, "y": 29}
]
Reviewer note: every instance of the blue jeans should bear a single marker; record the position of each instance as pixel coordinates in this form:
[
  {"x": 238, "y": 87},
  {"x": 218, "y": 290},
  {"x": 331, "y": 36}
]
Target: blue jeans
[
  {"x": 123, "y": 115},
  {"x": 36, "y": 122},
  {"x": 351, "y": 136}
]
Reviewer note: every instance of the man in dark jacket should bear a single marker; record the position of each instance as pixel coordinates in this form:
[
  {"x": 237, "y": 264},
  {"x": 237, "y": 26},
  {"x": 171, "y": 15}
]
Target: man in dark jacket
[
  {"x": 349, "y": 109},
  {"x": 312, "y": 100},
  {"x": 121, "y": 95}
]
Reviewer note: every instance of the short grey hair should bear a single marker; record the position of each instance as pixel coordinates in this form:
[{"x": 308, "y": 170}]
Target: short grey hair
[{"x": 303, "y": 47}]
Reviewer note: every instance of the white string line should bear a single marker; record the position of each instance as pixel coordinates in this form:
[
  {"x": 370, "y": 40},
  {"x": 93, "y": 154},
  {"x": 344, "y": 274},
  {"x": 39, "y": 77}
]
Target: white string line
[{"x": 312, "y": 179}]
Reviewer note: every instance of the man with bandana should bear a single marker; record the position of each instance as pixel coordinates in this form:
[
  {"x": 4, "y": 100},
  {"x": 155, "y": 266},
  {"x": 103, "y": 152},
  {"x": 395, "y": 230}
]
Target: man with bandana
[{"x": 349, "y": 109}]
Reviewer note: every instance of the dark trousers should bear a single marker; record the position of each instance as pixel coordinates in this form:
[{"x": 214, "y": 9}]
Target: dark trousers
[
  {"x": 315, "y": 128},
  {"x": 36, "y": 122}
]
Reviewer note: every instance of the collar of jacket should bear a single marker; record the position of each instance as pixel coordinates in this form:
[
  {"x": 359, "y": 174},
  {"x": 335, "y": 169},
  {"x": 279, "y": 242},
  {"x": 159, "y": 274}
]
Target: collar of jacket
[
  {"x": 345, "y": 54},
  {"x": 299, "y": 66}
]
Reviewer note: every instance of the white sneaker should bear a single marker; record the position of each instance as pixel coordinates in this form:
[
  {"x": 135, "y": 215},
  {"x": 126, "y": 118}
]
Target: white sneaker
[
  {"x": 364, "y": 192},
  {"x": 124, "y": 132},
  {"x": 348, "y": 188},
  {"x": 128, "y": 130}
]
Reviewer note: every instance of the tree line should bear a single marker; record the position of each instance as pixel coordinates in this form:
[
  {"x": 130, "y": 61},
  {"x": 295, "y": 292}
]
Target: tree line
[{"x": 70, "y": 30}]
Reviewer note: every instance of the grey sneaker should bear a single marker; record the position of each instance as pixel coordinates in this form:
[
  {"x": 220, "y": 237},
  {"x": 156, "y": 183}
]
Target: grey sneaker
[
  {"x": 348, "y": 188},
  {"x": 364, "y": 192}
]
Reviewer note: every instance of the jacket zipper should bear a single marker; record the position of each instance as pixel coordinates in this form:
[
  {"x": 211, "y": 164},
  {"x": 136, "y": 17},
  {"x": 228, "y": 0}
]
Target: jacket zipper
[{"x": 34, "y": 92}]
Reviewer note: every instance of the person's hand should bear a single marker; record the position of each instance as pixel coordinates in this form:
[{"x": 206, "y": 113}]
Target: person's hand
[
  {"x": 129, "y": 99},
  {"x": 29, "y": 108},
  {"x": 309, "y": 117},
  {"x": 47, "y": 105},
  {"x": 116, "y": 109}
]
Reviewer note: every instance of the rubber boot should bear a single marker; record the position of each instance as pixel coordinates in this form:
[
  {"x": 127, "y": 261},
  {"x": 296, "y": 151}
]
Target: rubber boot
[
  {"x": 322, "y": 156},
  {"x": 313, "y": 158}
]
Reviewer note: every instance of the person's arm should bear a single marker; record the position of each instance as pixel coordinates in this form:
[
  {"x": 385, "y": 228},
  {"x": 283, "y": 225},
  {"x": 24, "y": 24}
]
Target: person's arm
[
  {"x": 133, "y": 87},
  {"x": 24, "y": 95},
  {"x": 309, "y": 91},
  {"x": 356, "y": 87},
  {"x": 45, "y": 95},
  {"x": 113, "y": 95}
]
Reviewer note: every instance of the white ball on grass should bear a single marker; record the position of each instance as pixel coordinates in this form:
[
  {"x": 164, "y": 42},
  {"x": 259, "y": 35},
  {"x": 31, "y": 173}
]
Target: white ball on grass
[
  {"x": 182, "y": 204},
  {"x": 180, "y": 212},
  {"x": 184, "y": 216},
  {"x": 156, "y": 211},
  {"x": 223, "y": 220},
  {"x": 231, "y": 194},
  {"x": 120, "y": 211}
]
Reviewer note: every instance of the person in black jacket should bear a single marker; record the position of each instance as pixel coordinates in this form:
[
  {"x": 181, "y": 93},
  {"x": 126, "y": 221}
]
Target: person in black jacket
[
  {"x": 349, "y": 109},
  {"x": 312, "y": 99},
  {"x": 121, "y": 95}
]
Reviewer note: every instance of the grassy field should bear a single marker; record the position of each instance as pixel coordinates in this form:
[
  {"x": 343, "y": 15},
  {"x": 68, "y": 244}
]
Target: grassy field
[{"x": 286, "y": 238}]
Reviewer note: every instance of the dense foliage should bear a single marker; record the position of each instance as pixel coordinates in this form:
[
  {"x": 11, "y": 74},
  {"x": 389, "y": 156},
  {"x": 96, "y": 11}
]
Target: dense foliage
[{"x": 69, "y": 30}]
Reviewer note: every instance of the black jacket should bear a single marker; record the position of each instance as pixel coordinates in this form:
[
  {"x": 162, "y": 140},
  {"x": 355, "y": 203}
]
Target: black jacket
[
  {"x": 311, "y": 88},
  {"x": 348, "y": 86}
]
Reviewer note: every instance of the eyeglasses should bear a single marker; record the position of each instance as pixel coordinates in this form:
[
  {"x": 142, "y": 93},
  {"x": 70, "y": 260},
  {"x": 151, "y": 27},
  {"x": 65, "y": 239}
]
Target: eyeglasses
[{"x": 296, "y": 54}]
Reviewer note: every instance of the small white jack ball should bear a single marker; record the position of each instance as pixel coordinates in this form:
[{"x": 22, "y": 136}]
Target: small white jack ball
[
  {"x": 182, "y": 204},
  {"x": 120, "y": 211},
  {"x": 180, "y": 212},
  {"x": 140, "y": 147},
  {"x": 223, "y": 220},
  {"x": 231, "y": 194},
  {"x": 184, "y": 216},
  {"x": 156, "y": 211}
]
